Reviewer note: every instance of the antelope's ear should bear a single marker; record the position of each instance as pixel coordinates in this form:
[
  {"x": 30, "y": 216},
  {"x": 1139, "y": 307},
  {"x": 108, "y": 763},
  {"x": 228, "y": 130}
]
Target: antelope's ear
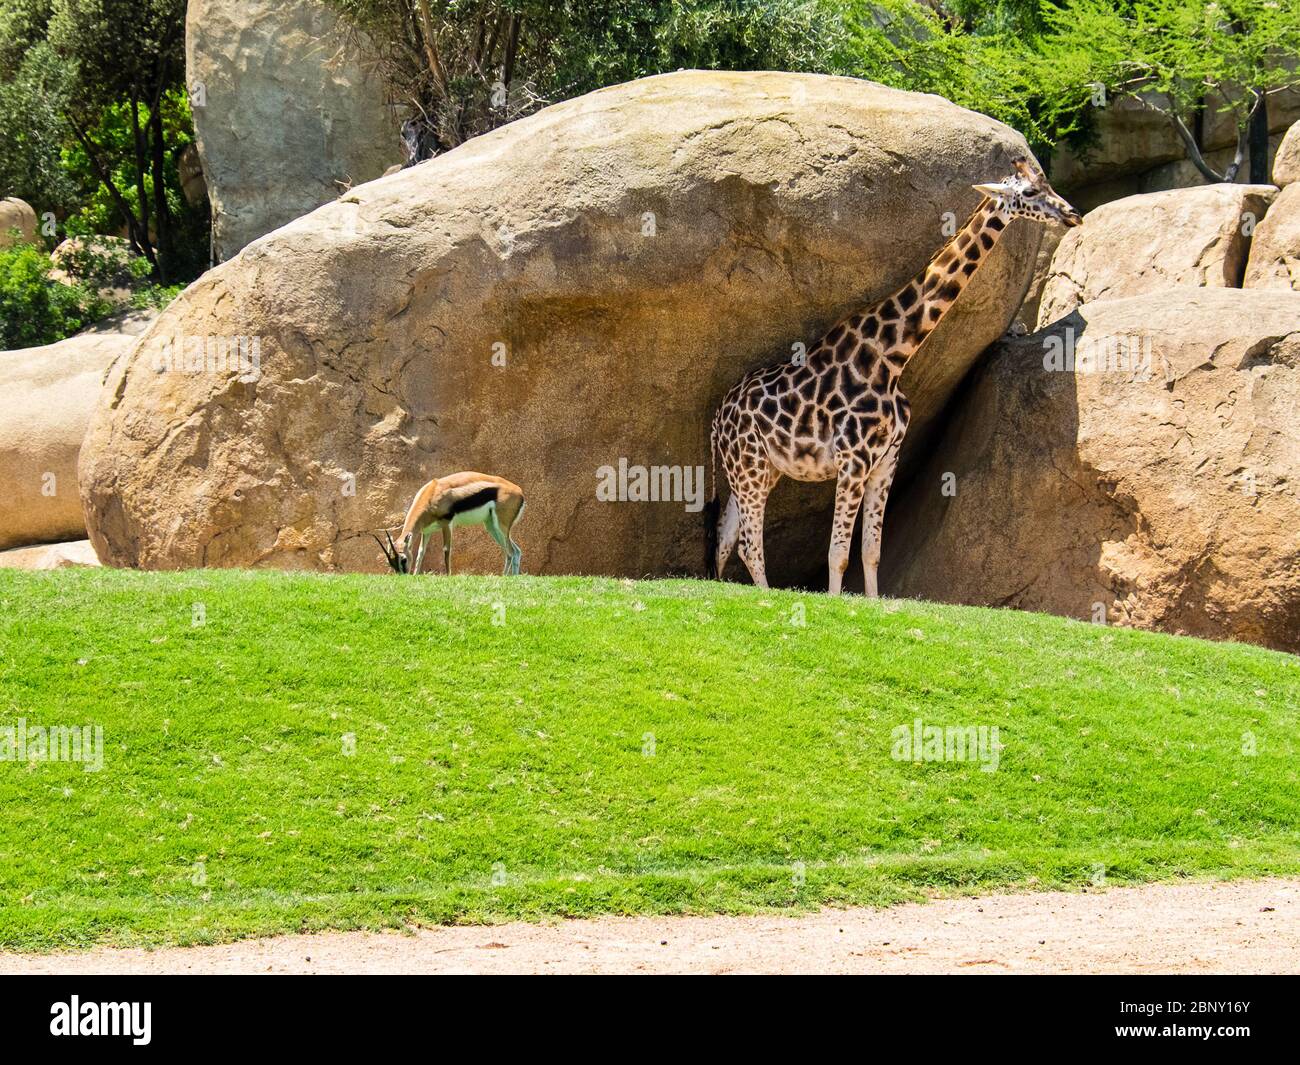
[{"x": 995, "y": 188}]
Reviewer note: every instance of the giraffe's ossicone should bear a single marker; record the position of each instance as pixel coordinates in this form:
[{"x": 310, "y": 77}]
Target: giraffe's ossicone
[{"x": 838, "y": 413}]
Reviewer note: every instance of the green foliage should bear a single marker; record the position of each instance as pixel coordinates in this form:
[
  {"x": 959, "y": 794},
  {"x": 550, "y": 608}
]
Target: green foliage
[
  {"x": 1174, "y": 56},
  {"x": 907, "y": 45},
  {"x": 475, "y": 64},
  {"x": 32, "y": 102},
  {"x": 93, "y": 104},
  {"x": 36, "y": 309},
  {"x": 361, "y": 751},
  {"x": 1180, "y": 49}
]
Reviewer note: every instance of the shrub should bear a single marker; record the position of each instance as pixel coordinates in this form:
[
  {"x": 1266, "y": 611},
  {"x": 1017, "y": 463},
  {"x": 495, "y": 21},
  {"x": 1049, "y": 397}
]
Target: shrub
[{"x": 36, "y": 309}]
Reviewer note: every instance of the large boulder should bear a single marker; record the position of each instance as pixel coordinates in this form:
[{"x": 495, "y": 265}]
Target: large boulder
[
  {"x": 1286, "y": 164},
  {"x": 1275, "y": 250},
  {"x": 284, "y": 117},
  {"x": 49, "y": 393},
  {"x": 573, "y": 291},
  {"x": 1155, "y": 486},
  {"x": 17, "y": 222},
  {"x": 1146, "y": 243}
]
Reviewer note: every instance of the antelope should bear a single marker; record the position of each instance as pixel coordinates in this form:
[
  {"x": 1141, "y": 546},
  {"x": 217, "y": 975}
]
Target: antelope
[{"x": 458, "y": 499}]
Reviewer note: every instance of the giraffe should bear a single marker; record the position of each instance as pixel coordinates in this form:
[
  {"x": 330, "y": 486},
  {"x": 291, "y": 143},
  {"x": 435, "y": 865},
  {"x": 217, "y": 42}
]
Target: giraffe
[{"x": 838, "y": 414}]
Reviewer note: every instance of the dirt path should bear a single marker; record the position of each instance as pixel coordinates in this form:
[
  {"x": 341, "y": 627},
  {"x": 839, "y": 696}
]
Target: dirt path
[{"x": 1247, "y": 926}]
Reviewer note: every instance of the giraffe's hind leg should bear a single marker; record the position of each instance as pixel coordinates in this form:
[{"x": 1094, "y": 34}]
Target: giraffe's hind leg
[
  {"x": 728, "y": 533},
  {"x": 881, "y": 477},
  {"x": 849, "y": 489}
]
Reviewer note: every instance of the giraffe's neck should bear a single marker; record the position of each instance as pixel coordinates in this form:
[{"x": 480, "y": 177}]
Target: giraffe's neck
[{"x": 903, "y": 321}]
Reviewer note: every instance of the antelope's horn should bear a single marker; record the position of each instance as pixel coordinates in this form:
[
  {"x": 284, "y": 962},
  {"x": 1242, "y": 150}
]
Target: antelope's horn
[{"x": 390, "y": 555}]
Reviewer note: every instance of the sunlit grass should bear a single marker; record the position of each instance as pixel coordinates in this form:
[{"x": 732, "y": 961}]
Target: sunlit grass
[{"x": 288, "y": 752}]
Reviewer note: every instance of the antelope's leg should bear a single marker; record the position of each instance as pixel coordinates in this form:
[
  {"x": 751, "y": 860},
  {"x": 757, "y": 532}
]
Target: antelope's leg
[
  {"x": 503, "y": 541},
  {"x": 425, "y": 533},
  {"x": 446, "y": 547},
  {"x": 516, "y": 553}
]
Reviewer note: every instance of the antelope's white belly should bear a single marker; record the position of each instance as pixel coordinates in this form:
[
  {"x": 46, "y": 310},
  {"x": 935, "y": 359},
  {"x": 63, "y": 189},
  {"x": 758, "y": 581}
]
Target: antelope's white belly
[{"x": 477, "y": 516}]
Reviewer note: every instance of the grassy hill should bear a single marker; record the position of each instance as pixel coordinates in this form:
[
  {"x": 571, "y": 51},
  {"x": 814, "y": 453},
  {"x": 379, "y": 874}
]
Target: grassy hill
[{"x": 287, "y": 752}]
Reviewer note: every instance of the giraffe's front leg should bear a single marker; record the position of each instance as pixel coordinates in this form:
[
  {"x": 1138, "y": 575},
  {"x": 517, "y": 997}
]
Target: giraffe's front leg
[
  {"x": 849, "y": 488},
  {"x": 873, "y": 520}
]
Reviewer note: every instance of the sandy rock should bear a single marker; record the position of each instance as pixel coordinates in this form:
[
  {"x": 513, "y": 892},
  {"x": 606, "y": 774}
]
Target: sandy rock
[
  {"x": 1184, "y": 175},
  {"x": 49, "y": 393},
  {"x": 1027, "y": 317},
  {"x": 573, "y": 291},
  {"x": 288, "y": 120},
  {"x": 1132, "y": 141},
  {"x": 1275, "y": 250},
  {"x": 1286, "y": 164},
  {"x": 50, "y": 556},
  {"x": 1147, "y": 243},
  {"x": 1164, "y": 500},
  {"x": 190, "y": 167},
  {"x": 16, "y": 214}
]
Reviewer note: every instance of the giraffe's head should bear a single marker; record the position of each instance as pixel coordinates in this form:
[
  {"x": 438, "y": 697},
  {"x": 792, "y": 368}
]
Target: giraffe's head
[{"x": 1025, "y": 193}]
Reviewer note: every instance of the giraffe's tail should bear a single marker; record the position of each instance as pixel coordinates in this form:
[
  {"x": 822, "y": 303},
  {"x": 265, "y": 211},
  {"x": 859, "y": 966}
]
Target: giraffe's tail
[{"x": 712, "y": 509}]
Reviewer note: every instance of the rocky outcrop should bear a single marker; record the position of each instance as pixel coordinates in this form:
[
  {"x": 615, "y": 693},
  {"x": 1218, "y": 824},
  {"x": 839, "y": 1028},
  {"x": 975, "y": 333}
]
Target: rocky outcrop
[
  {"x": 1136, "y": 150},
  {"x": 49, "y": 394},
  {"x": 1150, "y": 481},
  {"x": 284, "y": 117},
  {"x": 1027, "y": 317},
  {"x": 571, "y": 292},
  {"x": 17, "y": 222},
  {"x": 1275, "y": 250},
  {"x": 1146, "y": 243},
  {"x": 49, "y": 556},
  {"x": 1286, "y": 164}
]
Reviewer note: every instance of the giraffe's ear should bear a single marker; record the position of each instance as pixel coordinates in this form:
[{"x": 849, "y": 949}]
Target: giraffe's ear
[{"x": 996, "y": 188}]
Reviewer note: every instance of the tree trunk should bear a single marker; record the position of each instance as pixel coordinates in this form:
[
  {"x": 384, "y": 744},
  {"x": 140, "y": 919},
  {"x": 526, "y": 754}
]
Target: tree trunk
[
  {"x": 1194, "y": 149},
  {"x": 161, "y": 213},
  {"x": 139, "y": 240},
  {"x": 141, "y": 168},
  {"x": 1259, "y": 142}
]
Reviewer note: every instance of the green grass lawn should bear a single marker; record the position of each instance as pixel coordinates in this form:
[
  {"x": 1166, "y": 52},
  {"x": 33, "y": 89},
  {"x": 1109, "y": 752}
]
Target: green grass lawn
[{"x": 353, "y": 751}]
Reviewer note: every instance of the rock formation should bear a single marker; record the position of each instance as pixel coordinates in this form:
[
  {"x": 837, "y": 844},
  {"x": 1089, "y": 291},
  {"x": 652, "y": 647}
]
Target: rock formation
[
  {"x": 1138, "y": 461},
  {"x": 571, "y": 292}
]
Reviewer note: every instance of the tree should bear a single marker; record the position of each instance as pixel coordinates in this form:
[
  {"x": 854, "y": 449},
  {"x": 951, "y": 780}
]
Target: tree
[
  {"x": 132, "y": 51},
  {"x": 459, "y": 68},
  {"x": 97, "y": 86},
  {"x": 1175, "y": 57}
]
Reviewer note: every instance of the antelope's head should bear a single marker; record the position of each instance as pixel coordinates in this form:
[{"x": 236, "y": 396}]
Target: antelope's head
[{"x": 396, "y": 560}]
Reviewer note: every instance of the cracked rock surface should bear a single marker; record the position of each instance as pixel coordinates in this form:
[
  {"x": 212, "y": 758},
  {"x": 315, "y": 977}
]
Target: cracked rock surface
[
  {"x": 1155, "y": 485},
  {"x": 1198, "y": 236}
]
